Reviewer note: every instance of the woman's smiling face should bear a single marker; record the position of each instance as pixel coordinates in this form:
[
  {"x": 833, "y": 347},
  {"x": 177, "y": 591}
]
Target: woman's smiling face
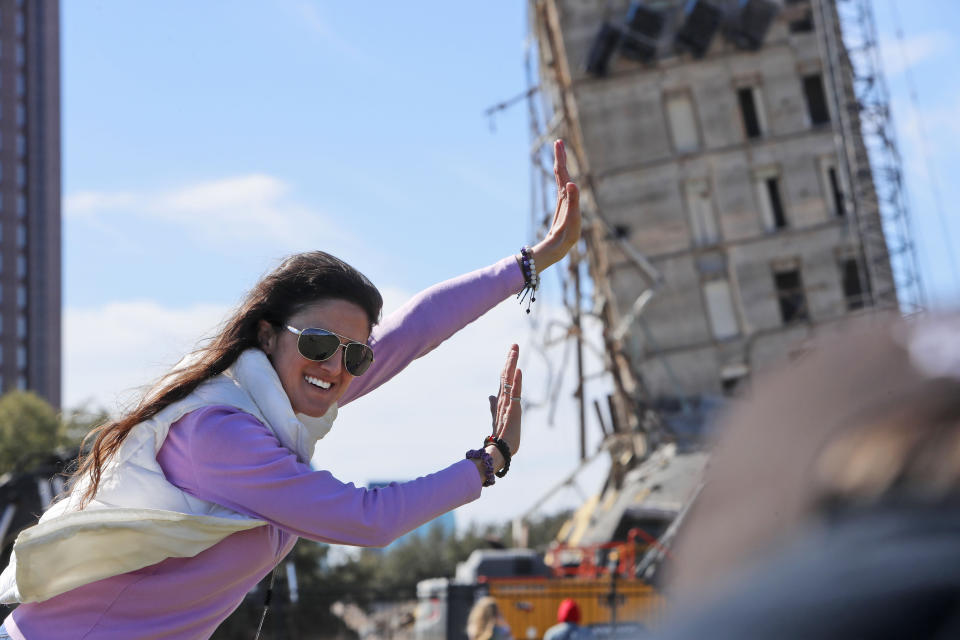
[{"x": 313, "y": 387}]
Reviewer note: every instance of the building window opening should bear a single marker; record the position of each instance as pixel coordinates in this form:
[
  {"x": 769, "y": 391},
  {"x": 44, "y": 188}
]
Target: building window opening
[
  {"x": 854, "y": 293},
  {"x": 749, "y": 110},
  {"x": 802, "y": 24},
  {"x": 683, "y": 123},
  {"x": 838, "y": 207},
  {"x": 733, "y": 378},
  {"x": 816, "y": 99},
  {"x": 720, "y": 311},
  {"x": 703, "y": 225},
  {"x": 832, "y": 187},
  {"x": 777, "y": 214},
  {"x": 769, "y": 199},
  {"x": 790, "y": 295},
  {"x": 730, "y": 386}
]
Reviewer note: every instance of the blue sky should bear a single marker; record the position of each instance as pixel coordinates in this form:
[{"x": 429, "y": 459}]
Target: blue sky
[
  {"x": 928, "y": 130},
  {"x": 205, "y": 140},
  {"x": 372, "y": 120}
]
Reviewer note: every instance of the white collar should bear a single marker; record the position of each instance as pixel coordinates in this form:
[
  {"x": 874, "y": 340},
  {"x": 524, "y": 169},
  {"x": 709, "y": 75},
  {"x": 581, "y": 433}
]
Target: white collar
[{"x": 298, "y": 432}]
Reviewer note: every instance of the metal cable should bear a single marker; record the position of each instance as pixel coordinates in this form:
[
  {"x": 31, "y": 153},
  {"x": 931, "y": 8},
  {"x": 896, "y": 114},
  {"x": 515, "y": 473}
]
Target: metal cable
[{"x": 922, "y": 140}]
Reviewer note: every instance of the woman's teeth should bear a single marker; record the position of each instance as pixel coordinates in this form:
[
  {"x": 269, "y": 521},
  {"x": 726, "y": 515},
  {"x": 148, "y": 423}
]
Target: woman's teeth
[{"x": 317, "y": 382}]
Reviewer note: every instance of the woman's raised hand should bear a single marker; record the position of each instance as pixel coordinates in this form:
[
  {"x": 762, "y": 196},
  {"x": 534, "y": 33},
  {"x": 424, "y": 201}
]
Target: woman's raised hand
[
  {"x": 506, "y": 408},
  {"x": 565, "y": 229}
]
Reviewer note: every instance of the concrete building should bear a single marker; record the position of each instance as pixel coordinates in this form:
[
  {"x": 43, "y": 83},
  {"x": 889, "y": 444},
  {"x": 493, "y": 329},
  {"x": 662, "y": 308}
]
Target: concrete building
[
  {"x": 30, "y": 197},
  {"x": 716, "y": 141}
]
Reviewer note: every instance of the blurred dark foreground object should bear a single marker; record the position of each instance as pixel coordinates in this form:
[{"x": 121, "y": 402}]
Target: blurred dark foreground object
[
  {"x": 884, "y": 573},
  {"x": 831, "y": 507}
]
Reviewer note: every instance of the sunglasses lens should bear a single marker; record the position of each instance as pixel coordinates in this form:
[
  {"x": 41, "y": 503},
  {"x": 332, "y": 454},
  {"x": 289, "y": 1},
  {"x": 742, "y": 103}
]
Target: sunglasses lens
[
  {"x": 357, "y": 358},
  {"x": 318, "y": 346}
]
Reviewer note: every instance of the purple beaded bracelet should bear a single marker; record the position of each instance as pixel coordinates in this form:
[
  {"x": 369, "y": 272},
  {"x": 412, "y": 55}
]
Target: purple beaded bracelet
[
  {"x": 530, "y": 278},
  {"x": 487, "y": 461}
]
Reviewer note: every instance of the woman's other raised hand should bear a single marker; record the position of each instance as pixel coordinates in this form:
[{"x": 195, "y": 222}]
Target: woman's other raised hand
[
  {"x": 565, "y": 229},
  {"x": 507, "y": 412},
  {"x": 505, "y": 408}
]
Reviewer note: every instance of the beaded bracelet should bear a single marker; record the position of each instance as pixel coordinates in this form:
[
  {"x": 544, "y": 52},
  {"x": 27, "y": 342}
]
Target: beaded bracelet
[
  {"x": 487, "y": 461},
  {"x": 531, "y": 281},
  {"x": 504, "y": 448}
]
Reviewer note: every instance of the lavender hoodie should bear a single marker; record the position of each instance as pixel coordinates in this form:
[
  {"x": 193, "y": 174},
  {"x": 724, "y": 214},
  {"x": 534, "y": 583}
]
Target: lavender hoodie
[{"x": 223, "y": 455}]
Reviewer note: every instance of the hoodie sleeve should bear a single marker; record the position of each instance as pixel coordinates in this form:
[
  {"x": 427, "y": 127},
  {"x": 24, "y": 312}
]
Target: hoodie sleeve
[{"x": 223, "y": 455}]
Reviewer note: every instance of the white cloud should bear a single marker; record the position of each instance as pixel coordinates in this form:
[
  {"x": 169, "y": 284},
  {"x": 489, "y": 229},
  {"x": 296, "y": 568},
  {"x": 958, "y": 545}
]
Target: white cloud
[
  {"x": 310, "y": 15},
  {"x": 899, "y": 56},
  {"x": 110, "y": 352},
  {"x": 87, "y": 203},
  {"x": 419, "y": 422},
  {"x": 221, "y": 195},
  {"x": 253, "y": 209}
]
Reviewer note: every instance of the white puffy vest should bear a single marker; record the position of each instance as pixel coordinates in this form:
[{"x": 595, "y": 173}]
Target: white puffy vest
[{"x": 137, "y": 518}]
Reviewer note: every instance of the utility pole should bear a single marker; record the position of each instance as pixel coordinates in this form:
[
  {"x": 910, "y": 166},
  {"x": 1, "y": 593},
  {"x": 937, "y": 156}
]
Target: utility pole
[
  {"x": 612, "y": 597},
  {"x": 581, "y": 396}
]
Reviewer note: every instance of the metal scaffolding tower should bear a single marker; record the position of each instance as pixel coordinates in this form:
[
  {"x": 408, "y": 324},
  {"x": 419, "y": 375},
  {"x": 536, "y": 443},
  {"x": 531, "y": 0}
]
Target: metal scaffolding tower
[
  {"x": 849, "y": 39},
  {"x": 868, "y": 162}
]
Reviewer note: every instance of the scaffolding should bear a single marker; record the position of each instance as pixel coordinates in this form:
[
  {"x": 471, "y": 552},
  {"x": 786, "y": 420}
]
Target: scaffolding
[
  {"x": 557, "y": 110},
  {"x": 868, "y": 159},
  {"x": 848, "y": 37}
]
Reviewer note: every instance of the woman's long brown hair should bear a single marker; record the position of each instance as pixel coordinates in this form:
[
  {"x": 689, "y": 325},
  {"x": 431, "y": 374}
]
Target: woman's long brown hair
[{"x": 299, "y": 281}]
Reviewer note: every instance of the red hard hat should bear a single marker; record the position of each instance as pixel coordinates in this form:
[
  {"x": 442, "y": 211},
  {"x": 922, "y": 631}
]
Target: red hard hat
[{"x": 569, "y": 611}]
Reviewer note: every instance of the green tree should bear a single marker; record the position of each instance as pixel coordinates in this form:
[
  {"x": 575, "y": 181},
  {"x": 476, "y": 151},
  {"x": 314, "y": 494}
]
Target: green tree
[
  {"x": 78, "y": 422},
  {"x": 29, "y": 427}
]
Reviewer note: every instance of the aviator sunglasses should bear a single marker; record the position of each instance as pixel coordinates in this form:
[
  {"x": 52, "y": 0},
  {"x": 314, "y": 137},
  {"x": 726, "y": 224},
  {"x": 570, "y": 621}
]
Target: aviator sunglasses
[{"x": 319, "y": 345}]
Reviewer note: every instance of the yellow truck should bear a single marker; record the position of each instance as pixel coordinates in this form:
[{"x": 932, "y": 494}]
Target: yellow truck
[
  {"x": 529, "y": 606},
  {"x": 529, "y": 593}
]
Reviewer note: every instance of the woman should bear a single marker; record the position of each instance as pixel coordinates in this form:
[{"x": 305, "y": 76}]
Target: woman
[
  {"x": 485, "y": 621},
  {"x": 185, "y": 503}
]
